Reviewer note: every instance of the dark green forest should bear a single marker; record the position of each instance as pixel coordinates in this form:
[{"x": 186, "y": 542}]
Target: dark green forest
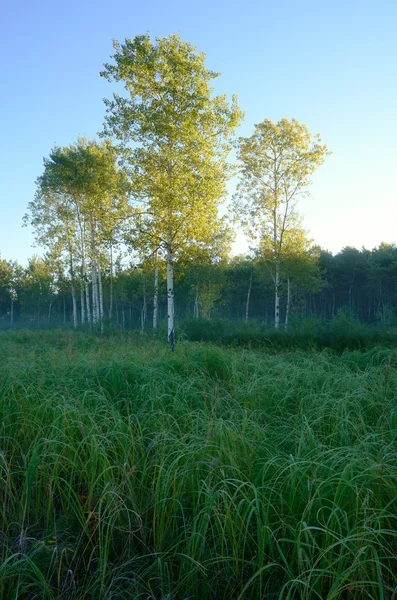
[{"x": 362, "y": 283}]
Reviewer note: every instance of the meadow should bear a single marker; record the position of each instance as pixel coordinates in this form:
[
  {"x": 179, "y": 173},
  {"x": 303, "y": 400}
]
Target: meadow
[{"x": 211, "y": 473}]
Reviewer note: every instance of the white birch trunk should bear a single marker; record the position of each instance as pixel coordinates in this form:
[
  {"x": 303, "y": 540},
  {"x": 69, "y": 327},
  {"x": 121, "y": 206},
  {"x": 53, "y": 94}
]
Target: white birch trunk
[
  {"x": 84, "y": 270},
  {"x": 100, "y": 297},
  {"x": 170, "y": 297},
  {"x": 94, "y": 293},
  {"x": 73, "y": 290},
  {"x": 74, "y": 303},
  {"x": 82, "y": 302},
  {"x": 277, "y": 295},
  {"x": 144, "y": 308},
  {"x": 94, "y": 277},
  {"x": 156, "y": 294},
  {"x": 98, "y": 311},
  {"x": 287, "y": 309},
  {"x": 247, "y": 304},
  {"x": 87, "y": 295},
  {"x": 111, "y": 283}
]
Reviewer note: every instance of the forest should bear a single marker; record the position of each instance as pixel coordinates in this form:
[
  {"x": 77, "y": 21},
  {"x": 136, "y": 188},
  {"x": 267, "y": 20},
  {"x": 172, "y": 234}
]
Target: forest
[{"x": 317, "y": 284}]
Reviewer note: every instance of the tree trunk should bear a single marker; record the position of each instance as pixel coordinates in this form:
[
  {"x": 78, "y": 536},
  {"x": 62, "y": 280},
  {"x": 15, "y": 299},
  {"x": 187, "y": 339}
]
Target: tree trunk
[
  {"x": 287, "y": 309},
  {"x": 74, "y": 306},
  {"x": 12, "y": 310},
  {"x": 196, "y": 302},
  {"x": 170, "y": 296},
  {"x": 94, "y": 277},
  {"x": 111, "y": 282},
  {"x": 49, "y": 310},
  {"x": 84, "y": 273},
  {"x": 100, "y": 297},
  {"x": 144, "y": 309},
  {"x": 277, "y": 295},
  {"x": 156, "y": 294},
  {"x": 247, "y": 303},
  {"x": 82, "y": 302},
  {"x": 94, "y": 293}
]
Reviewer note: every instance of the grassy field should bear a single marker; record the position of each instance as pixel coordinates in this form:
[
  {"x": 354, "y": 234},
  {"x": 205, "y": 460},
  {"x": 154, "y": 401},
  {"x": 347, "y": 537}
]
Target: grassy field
[{"x": 128, "y": 472}]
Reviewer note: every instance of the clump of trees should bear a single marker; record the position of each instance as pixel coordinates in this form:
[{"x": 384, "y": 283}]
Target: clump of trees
[
  {"x": 129, "y": 222},
  {"x": 276, "y": 164},
  {"x": 174, "y": 136}
]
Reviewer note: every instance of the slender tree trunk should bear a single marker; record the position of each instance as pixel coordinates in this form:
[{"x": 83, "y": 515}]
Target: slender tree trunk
[
  {"x": 94, "y": 293},
  {"x": 49, "y": 310},
  {"x": 144, "y": 308},
  {"x": 277, "y": 295},
  {"x": 287, "y": 309},
  {"x": 87, "y": 296},
  {"x": 100, "y": 297},
  {"x": 98, "y": 302},
  {"x": 156, "y": 294},
  {"x": 170, "y": 296},
  {"x": 74, "y": 304},
  {"x": 122, "y": 318},
  {"x": 12, "y": 311},
  {"x": 247, "y": 303},
  {"x": 85, "y": 276},
  {"x": 94, "y": 280},
  {"x": 111, "y": 282},
  {"x": 196, "y": 302},
  {"x": 82, "y": 301},
  {"x": 64, "y": 310}
]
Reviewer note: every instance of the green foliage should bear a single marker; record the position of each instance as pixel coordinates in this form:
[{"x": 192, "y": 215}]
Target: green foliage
[
  {"x": 277, "y": 162},
  {"x": 341, "y": 333},
  {"x": 175, "y": 136},
  {"x": 131, "y": 472}
]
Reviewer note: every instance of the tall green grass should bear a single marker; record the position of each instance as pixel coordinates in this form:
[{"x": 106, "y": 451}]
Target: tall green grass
[
  {"x": 343, "y": 332},
  {"x": 129, "y": 472}
]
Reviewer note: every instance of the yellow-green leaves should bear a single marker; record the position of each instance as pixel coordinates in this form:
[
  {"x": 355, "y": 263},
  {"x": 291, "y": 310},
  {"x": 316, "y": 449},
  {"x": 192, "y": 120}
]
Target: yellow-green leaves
[
  {"x": 174, "y": 133},
  {"x": 276, "y": 164}
]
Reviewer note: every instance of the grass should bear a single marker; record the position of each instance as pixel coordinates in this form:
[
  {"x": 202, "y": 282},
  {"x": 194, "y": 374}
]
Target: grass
[
  {"x": 342, "y": 332},
  {"x": 128, "y": 472}
]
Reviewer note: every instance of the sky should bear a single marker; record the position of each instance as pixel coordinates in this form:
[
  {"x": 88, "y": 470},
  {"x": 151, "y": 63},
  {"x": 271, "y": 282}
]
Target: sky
[{"x": 331, "y": 64}]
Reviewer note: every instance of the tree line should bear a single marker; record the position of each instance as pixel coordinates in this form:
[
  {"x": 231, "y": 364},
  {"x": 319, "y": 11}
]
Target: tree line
[
  {"x": 128, "y": 220},
  {"x": 319, "y": 284}
]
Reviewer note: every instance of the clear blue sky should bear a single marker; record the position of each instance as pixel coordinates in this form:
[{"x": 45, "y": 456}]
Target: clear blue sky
[{"x": 330, "y": 64}]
